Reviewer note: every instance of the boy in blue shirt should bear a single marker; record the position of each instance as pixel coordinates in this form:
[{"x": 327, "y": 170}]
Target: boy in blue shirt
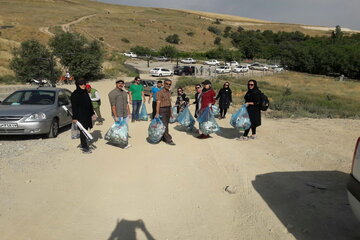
[{"x": 153, "y": 92}]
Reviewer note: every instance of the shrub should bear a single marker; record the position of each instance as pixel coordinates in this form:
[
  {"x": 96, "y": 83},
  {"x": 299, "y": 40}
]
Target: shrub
[
  {"x": 214, "y": 30},
  {"x": 191, "y": 34},
  {"x": 217, "y": 41},
  {"x": 175, "y": 39},
  {"x": 125, "y": 40}
]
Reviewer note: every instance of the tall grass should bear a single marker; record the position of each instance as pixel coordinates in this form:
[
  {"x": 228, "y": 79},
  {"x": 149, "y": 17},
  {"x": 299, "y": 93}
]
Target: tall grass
[{"x": 296, "y": 94}]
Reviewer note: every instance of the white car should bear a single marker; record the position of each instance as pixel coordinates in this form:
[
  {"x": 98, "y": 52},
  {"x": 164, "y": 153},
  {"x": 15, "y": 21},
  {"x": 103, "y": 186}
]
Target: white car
[
  {"x": 130, "y": 54},
  {"x": 353, "y": 186},
  {"x": 233, "y": 64},
  {"x": 212, "y": 62},
  {"x": 159, "y": 72},
  {"x": 188, "y": 60},
  {"x": 259, "y": 67},
  {"x": 241, "y": 69},
  {"x": 223, "y": 69}
]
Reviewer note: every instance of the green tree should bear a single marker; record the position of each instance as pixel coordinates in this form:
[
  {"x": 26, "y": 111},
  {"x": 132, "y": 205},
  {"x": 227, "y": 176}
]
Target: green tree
[
  {"x": 337, "y": 35},
  {"x": 175, "y": 39},
  {"x": 142, "y": 51},
  {"x": 31, "y": 60},
  {"x": 227, "y": 31},
  {"x": 81, "y": 57},
  {"x": 168, "y": 51},
  {"x": 214, "y": 30}
]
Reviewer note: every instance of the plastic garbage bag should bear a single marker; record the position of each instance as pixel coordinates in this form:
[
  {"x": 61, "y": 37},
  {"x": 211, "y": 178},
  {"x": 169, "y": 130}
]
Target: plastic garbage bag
[
  {"x": 240, "y": 119},
  {"x": 143, "y": 113},
  {"x": 174, "y": 116},
  {"x": 207, "y": 122},
  {"x": 215, "y": 110},
  {"x": 156, "y": 130},
  {"x": 75, "y": 132},
  {"x": 118, "y": 133},
  {"x": 185, "y": 118}
]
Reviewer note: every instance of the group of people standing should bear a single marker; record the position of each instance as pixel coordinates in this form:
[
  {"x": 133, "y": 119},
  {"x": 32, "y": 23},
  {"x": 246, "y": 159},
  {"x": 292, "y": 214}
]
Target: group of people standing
[{"x": 86, "y": 102}]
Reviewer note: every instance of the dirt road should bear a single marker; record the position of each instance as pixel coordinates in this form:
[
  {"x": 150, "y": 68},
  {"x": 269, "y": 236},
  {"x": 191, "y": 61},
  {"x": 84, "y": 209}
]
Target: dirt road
[{"x": 50, "y": 190}]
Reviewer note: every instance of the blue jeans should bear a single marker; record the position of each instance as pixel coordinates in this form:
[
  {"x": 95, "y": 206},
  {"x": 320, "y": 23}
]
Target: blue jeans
[{"x": 136, "y": 105}]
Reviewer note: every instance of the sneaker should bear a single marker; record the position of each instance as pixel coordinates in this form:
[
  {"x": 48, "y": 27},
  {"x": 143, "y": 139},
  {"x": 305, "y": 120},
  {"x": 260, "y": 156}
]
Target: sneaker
[
  {"x": 171, "y": 143},
  {"x": 86, "y": 150}
]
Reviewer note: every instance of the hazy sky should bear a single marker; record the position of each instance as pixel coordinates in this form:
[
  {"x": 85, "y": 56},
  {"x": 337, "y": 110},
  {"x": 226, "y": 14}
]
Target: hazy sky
[{"x": 314, "y": 12}]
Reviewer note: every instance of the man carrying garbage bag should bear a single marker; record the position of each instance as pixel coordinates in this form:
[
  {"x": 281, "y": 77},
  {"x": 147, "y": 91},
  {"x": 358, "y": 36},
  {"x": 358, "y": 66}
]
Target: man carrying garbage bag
[
  {"x": 163, "y": 109},
  {"x": 120, "y": 109}
]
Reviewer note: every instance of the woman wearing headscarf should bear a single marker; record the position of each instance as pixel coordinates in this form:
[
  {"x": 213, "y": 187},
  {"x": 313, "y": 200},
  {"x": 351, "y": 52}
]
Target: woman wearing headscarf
[
  {"x": 82, "y": 111},
  {"x": 181, "y": 100},
  {"x": 252, "y": 101},
  {"x": 225, "y": 99},
  {"x": 198, "y": 90},
  {"x": 207, "y": 98}
]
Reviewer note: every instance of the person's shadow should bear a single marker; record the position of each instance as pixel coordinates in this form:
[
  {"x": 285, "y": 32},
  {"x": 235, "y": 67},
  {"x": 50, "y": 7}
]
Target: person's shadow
[{"x": 126, "y": 230}]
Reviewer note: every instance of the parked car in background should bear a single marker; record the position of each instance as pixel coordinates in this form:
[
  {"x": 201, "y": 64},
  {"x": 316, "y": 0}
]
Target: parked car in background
[
  {"x": 161, "y": 59},
  {"x": 223, "y": 69},
  {"x": 34, "y": 111},
  {"x": 278, "y": 69},
  {"x": 147, "y": 84},
  {"x": 184, "y": 70},
  {"x": 188, "y": 60},
  {"x": 353, "y": 186},
  {"x": 212, "y": 62},
  {"x": 159, "y": 72},
  {"x": 257, "y": 66},
  {"x": 130, "y": 54},
  {"x": 240, "y": 69},
  {"x": 232, "y": 64}
]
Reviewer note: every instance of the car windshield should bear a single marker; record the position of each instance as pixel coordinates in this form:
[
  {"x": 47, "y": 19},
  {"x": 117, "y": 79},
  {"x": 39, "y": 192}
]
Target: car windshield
[{"x": 30, "y": 97}]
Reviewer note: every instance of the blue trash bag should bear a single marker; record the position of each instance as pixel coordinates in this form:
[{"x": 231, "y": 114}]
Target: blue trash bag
[
  {"x": 174, "y": 116},
  {"x": 156, "y": 130},
  {"x": 186, "y": 119},
  {"x": 143, "y": 113},
  {"x": 240, "y": 119},
  {"x": 207, "y": 122},
  {"x": 215, "y": 110},
  {"x": 118, "y": 133}
]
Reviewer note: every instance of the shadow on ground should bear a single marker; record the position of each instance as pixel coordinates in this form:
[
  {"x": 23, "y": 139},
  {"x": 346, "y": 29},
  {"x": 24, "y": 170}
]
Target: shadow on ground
[
  {"x": 229, "y": 133},
  {"x": 31, "y": 137},
  {"x": 312, "y": 205},
  {"x": 126, "y": 230}
]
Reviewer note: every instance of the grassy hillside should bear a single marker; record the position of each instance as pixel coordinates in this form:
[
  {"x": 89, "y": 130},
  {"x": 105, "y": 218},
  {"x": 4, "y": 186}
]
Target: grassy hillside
[{"x": 114, "y": 23}]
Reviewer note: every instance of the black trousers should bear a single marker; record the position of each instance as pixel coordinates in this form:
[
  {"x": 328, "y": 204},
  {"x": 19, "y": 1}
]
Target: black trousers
[
  {"x": 223, "y": 112},
  {"x": 83, "y": 140},
  {"x": 165, "y": 113},
  {"x": 253, "y": 131},
  {"x": 153, "y": 109}
]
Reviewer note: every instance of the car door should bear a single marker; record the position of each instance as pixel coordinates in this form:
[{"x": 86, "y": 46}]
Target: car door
[{"x": 64, "y": 100}]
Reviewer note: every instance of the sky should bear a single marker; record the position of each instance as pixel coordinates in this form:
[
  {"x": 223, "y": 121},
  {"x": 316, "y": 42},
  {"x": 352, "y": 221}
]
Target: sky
[{"x": 327, "y": 13}]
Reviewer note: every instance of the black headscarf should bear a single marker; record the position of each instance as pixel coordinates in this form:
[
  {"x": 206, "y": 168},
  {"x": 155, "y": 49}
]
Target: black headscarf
[{"x": 255, "y": 86}]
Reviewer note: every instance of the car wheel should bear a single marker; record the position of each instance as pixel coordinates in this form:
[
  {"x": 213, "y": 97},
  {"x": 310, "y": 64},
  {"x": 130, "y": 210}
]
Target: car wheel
[
  {"x": 160, "y": 75},
  {"x": 54, "y": 129}
]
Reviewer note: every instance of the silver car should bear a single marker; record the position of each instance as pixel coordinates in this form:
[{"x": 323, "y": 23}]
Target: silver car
[{"x": 35, "y": 111}]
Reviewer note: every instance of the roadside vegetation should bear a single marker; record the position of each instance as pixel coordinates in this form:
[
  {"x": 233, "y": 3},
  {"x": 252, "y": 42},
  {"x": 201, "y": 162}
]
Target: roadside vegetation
[{"x": 294, "y": 94}]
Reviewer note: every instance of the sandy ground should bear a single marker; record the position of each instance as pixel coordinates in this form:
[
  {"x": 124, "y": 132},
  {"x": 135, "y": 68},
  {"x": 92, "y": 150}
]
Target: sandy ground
[{"x": 53, "y": 191}]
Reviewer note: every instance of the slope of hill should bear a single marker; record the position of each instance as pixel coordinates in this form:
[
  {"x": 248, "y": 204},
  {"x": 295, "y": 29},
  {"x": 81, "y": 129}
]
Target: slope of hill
[{"x": 119, "y": 27}]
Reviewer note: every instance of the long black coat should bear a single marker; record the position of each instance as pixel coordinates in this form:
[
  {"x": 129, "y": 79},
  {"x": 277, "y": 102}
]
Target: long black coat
[
  {"x": 82, "y": 108},
  {"x": 254, "y": 110},
  {"x": 225, "y": 98}
]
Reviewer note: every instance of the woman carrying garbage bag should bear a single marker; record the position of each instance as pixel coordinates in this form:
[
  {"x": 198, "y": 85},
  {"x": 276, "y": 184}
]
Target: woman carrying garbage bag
[
  {"x": 82, "y": 110},
  {"x": 225, "y": 99},
  {"x": 252, "y": 101},
  {"x": 207, "y": 99},
  {"x": 181, "y": 101}
]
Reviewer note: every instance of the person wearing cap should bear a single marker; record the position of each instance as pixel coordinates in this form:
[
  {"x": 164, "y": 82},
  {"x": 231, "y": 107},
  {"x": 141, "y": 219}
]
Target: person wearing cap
[
  {"x": 163, "y": 109},
  {"x": 207, "y": 99},
  {"x": 136, "y": 95},
  {"x": 96, "y": 102},
  {"x": 82, "y": 111},
  {"x": 153, "y": 92}
]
